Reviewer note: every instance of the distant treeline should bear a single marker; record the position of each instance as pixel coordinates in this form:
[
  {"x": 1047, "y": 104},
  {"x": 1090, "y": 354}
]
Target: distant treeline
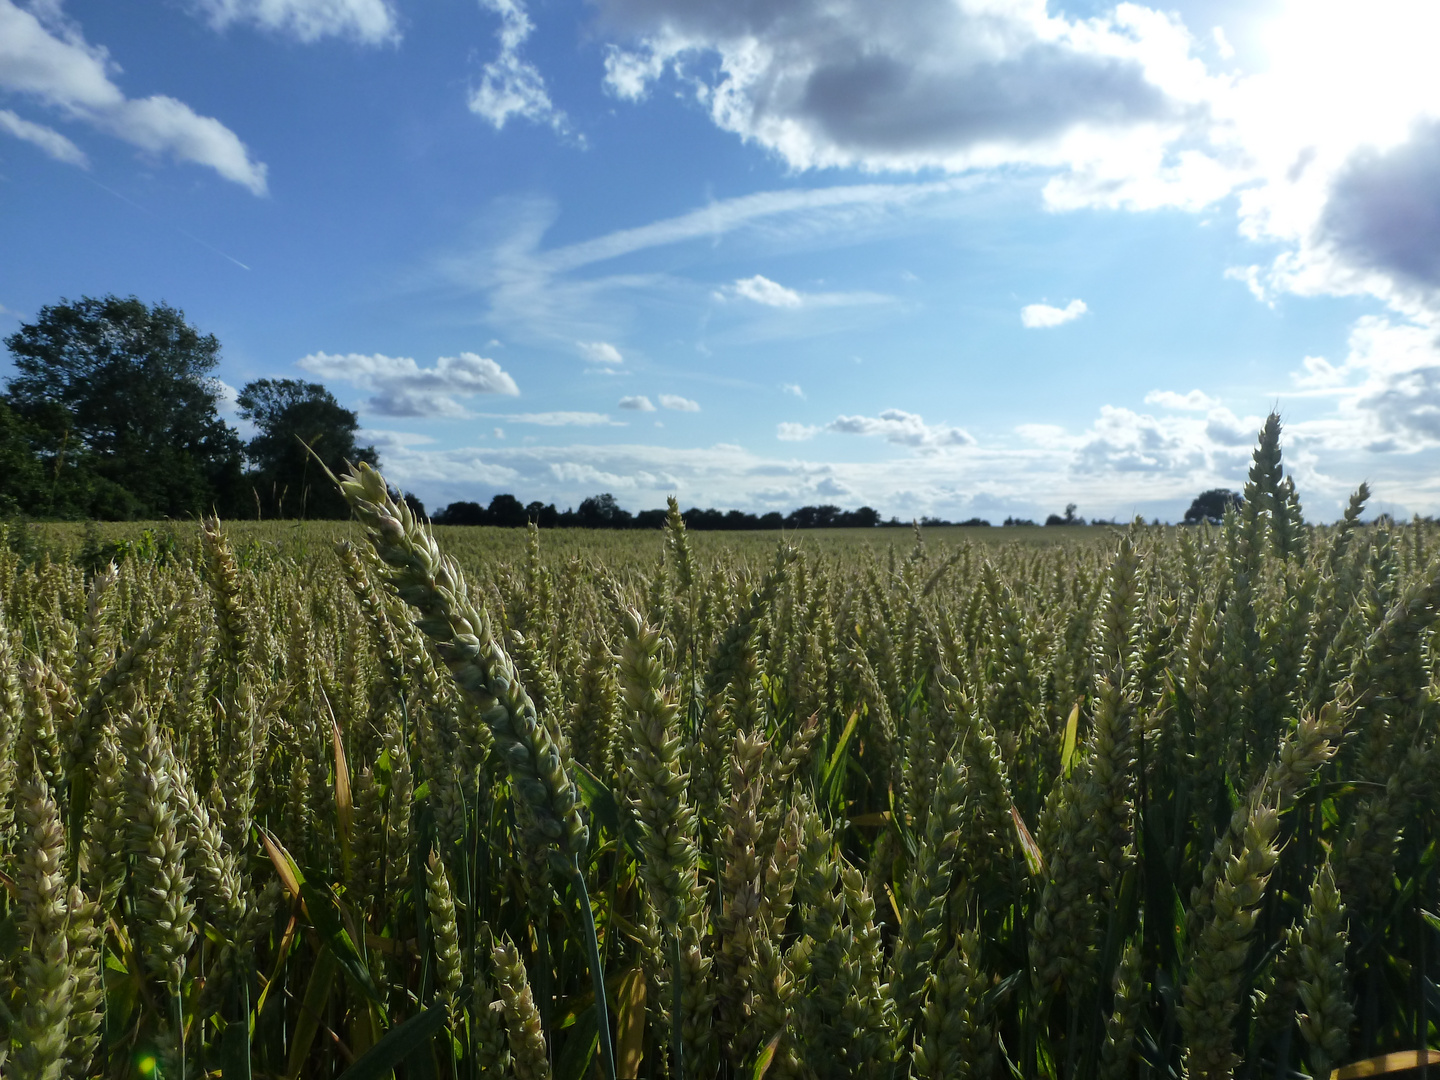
[{"x": 603, "y": 512}]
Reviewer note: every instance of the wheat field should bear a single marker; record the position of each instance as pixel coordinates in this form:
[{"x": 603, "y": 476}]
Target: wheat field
[{"x": 356, "y": 801}]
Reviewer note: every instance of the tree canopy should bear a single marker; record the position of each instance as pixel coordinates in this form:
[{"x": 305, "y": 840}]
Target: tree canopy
[
  {"x": 115, "y": 402},
  {"x": 298, "y": 422},
  {"x": 1211, "y": 506}
]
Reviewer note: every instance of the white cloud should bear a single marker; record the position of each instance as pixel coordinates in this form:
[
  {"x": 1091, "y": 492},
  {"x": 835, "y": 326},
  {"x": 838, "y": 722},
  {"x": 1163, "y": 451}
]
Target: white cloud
[
  {"x": 764, "y": 291},
  {"x": 1043, "y": 316},
  {"x": 369, "y": 22},
  {"x": 678, "y": 403},
  {"x": 402, "y": 388},
  {"x": 793, "y": 388},
  {"x": 1387, "y": 390},
  {"x": 384, "y": 438},
  {"x": 788, "y": 431},
  {"x": 628, "y": 75},
  {"x": 47, "y": 139},
  {"x": 1222, "y": 43},
  {"x": 557, "y": 419},
  {"x": 1052, "y": 435},
  {"x": 51, "y": 62},
  {"x": 1124, "y": 441},
  {"x": 842, "y": 204},
  {"x": 600, "y": 352},
  {"x": 911, "y": 84},
  {"x": 1334, "y": 149},
  {"x": 761, "y": 290},
  {"x": 639, "y": 402},
  {"x": 1194, "y": 401},
  {"x": 903, "y": 429},
  {"x": 1122, "y": 463},
  {"x": 536, "y": 292},
  {"x": 509, "y": 85},
  {"x": 1224, "y": 428},
  {"x": 1331, "y": 147}
]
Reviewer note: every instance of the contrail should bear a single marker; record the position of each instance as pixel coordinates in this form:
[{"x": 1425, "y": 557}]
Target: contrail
[{"x": 188, "y": 235}]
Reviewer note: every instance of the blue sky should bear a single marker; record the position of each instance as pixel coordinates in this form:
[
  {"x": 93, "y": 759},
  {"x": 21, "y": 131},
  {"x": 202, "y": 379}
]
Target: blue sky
[{"x": 947, "y": 257}]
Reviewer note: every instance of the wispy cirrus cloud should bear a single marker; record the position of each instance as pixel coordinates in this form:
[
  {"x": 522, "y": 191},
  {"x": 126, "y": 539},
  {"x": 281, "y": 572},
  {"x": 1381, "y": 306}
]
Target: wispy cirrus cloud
[
  {"x": 561, "y": 418},
  {"x": 555, "y": 294}
]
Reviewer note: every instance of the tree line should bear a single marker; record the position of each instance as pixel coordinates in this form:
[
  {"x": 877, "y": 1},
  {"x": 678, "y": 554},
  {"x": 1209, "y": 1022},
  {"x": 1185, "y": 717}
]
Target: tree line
[
  {"x": 603, "y": 512},
  {"x": 114, "y": 414}
]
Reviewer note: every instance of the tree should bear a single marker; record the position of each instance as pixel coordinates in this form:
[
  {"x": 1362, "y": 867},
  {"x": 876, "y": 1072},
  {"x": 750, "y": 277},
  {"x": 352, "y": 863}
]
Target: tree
[
  {"x": 1211, "y": 506},
  {"x": 603, "y": 512},
  {"x": 1068, "y": 519},
  {"x": 292, "y": 416},
  {"x": 507, "y": 511},
  {"x": 126, "y": 390},
  {"x": 544, "y": 515}
]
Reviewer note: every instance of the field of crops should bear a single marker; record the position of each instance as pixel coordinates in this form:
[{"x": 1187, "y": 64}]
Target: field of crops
[{"x": 322, "y": 801}]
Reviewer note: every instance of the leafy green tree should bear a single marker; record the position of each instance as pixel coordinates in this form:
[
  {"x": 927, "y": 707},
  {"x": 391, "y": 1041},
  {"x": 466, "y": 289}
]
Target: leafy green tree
[
  {"x": 603, "y": 512},
  {"x": 1211, "y": 505},
  {"x": 121, "y": 395},
  {"x": 23, "y": 487},
  {"x": 297, "y": 422}
]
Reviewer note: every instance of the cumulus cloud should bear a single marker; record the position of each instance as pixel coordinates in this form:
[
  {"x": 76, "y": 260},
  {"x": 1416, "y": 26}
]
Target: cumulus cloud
[
  {"x": 369, "y": 22},
  {"x": 903, "y": 429},
  {"x": 901, "y": 85},
  {"x": 1386, "y": 390},
  {"x": 1125, "y": 441},
  {"x": 1335, "y": 150},
  {"x": 1043, "y": 316},
  {"x": 1332, "y": 147},
  {"x": 50, "y": 62},
  {"x": 511, "y": 86},
  {"x": 1222, "y": 43},
  {"x": 47, "y": 139},
  {"x": 678, "y": 403},
  {"x": 793, "y": 388},
  {"x": 638, "y": 402},
  {"x": 1194, "y": 401},
  {"x": 401, "y": 387},
  {"x": 1224, "y": 428},
  {"x": 788, "y": 431},
  {"x": 1383, "y": 211},
  {"x": 1121, "y": 463},
  {"x": 762, "y": 290},
  {"x": 600, "y": 352}
]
